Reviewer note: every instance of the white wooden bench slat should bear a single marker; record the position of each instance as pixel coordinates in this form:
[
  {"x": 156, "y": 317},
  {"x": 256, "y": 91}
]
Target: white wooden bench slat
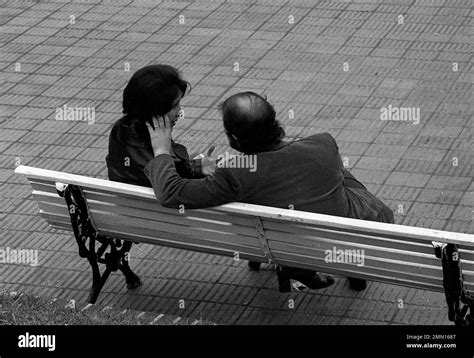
[
  {"x": 432, "y": 284},
  {"x": 163, "y": 238},
  {"x": 378, "y": 267},
  {"x": 171, "y": 244},
  {"x": 190, "y": 220},
  {"x": 369, "y": 252},
  {"x": 404, "y": 247},
  {"x": 101, "y": 184},
  {"x": 273, "y": 224},
  {"x": 373, "y": 263},
  {"x": 151, "y": 205},
  {"x": 369, "y": 272},
  {"x": 386, "y": 247},
  {"x": 306, "y": 238},
  {"x": 262, "y": 211},
  {"x": 106, "y": 222}
]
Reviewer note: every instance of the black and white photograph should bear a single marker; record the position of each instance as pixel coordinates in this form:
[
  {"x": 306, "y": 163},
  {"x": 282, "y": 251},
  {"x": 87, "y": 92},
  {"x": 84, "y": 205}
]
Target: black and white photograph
[{"x": 236, "y": 176}]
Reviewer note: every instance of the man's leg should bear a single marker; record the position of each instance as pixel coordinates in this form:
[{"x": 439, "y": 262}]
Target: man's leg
[
  {"x": 357, "y": 284},
  {"x": 309, "y": 278},
  {"x": 254, "y": 265}
]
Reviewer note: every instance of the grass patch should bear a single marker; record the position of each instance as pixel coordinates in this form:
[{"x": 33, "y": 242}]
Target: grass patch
[{"x": 23, "y": 309}]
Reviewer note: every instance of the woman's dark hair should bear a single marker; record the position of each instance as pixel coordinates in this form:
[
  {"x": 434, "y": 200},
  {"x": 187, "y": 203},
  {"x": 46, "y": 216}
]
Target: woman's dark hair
[
  {"x": 250, "y": 123},
  {"x": 151, "y": 92}
]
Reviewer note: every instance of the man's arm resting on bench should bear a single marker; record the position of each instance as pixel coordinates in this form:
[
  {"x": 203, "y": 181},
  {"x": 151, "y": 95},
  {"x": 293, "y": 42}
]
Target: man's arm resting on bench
[{"x": 172, "y": 190}]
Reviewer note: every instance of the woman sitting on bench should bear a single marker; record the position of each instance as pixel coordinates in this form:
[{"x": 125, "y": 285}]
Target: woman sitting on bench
[{"x": 153, "y": 90}]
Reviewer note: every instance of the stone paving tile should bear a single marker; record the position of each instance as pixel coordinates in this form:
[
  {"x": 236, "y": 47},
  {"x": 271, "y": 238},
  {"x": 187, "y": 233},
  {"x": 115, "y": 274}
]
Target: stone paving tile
[{"x": 334, "y": 64}]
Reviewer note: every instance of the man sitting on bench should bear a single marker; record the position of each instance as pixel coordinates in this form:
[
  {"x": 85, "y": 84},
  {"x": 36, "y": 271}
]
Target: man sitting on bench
[{"x": 306, "y": 175}]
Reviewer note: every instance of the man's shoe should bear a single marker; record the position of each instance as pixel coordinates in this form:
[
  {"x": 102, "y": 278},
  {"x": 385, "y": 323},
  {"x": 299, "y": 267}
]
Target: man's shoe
[
  {"x": 254, "y": 265},
  {"x": 311, "y": 279},
  {"x": 357, "y": 284}
]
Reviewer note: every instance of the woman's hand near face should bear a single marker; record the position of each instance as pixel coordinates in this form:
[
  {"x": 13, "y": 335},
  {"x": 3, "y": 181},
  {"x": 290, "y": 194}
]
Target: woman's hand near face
[{"x": 161, "y": 135}]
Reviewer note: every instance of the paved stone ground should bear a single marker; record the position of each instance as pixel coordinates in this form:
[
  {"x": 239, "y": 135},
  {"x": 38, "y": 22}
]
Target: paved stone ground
[{"x": 325, "y": 65}]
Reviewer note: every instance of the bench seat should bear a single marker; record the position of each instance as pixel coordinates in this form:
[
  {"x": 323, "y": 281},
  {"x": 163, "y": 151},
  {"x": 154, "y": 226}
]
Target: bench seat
[{"x": 395, "y": 254}]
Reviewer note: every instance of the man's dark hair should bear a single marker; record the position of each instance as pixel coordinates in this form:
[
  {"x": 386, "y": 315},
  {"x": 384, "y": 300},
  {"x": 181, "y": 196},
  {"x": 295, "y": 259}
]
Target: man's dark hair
[
  {"x": 151, "y": 92},
  {"x": 250, "y": 123}
]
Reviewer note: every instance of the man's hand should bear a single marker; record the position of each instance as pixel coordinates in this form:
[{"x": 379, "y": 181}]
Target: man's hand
[
  {"x": 208, "y": 162},
  {"x": 161, "y": 135}
]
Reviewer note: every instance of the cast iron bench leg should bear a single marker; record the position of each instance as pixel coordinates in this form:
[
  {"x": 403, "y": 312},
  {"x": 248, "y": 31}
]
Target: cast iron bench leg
[
  {"x": 98, "y": 282},
  {"x": 131, "y": 279},
  {"x": 116, "y": 259},
  {"x": 455, "y": 291},
  {"x": 85, "y": 229}
]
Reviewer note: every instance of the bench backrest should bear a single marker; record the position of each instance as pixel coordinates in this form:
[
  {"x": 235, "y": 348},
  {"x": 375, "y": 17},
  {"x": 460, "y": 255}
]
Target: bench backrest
[{"x": 391, "y": 253}]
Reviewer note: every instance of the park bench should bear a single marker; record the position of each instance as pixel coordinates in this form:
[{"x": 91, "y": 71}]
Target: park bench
[{"x": 103, "y": 213}]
